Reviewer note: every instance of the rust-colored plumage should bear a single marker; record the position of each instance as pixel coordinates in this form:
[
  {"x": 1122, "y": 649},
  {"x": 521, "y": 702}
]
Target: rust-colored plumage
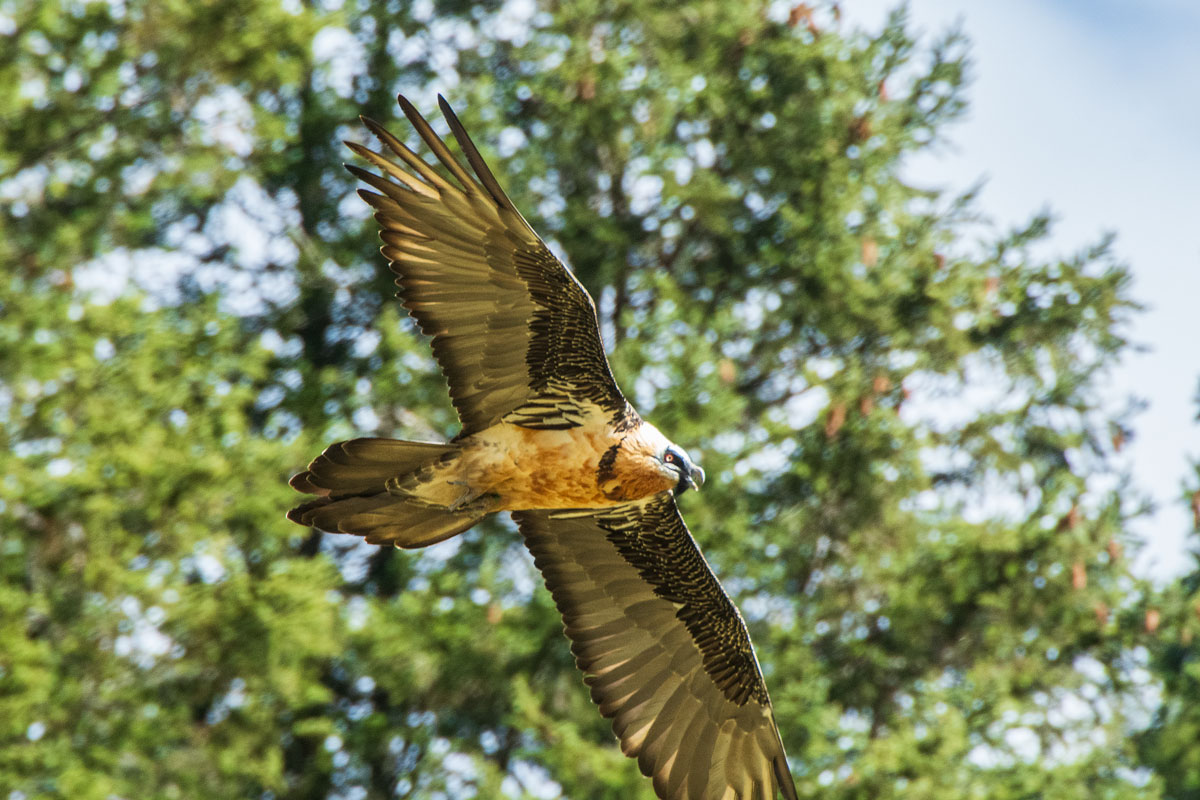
[{"x": 548, "y": 436}]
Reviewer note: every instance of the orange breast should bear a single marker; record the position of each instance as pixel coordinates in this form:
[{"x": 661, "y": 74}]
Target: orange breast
[
  {"x": 554, "y": 469},
  {"x": 537, "y": 469},
  {"x": 635, "y": 478}
]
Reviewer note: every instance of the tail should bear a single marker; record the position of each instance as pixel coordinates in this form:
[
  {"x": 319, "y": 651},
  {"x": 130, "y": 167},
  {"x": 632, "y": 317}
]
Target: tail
[{"x": 351, "y": 479}]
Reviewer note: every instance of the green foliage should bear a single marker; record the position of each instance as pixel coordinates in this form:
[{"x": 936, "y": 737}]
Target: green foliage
[
  {"x": 912, "y": 490},
  {"x": 1168, "y": 745}
]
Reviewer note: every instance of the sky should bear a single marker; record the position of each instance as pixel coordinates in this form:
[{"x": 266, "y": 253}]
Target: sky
[{"x": 1090, "y": 109}]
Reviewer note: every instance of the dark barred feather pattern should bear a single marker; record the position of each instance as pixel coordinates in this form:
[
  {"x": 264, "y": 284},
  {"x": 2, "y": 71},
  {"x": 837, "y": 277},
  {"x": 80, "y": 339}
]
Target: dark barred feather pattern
[
  {"x": 513, "y": 331},
  {"x": 663, "y": 648}
]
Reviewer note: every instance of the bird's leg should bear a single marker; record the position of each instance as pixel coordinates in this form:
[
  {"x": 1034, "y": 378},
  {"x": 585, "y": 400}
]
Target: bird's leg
[
  {"x": 466, "y": 499},
  {"x": 483, "y": 504},
  {"x": 473, "y": 500}
]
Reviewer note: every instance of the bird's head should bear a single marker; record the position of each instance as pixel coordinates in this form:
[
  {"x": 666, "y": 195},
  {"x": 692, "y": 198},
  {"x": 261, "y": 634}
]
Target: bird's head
[
  {"x": 671, "y": 461},
  {"x": 644, "y": 464},
  {"x": 688, "y": 475}
]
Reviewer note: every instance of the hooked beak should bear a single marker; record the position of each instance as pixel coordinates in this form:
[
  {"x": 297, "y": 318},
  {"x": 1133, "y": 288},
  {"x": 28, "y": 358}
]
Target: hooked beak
[{"x": 691, "y": 478}]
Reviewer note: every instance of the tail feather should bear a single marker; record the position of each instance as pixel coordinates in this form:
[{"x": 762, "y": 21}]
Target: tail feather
[
  {"x": 384, "y": 519},
  {"x": 351, "y": 479},
  {"x": 365, "y": 465}
]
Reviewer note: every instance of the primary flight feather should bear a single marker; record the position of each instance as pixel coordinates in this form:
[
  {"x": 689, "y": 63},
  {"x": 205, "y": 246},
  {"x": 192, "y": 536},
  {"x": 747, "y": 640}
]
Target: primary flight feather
[{"x": 547, "y": 435}]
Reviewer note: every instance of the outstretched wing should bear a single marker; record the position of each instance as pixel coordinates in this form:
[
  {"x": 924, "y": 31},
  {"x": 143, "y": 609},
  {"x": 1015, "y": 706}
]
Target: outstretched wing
[
  {"x": 513, "y": 331},
  {"x": 663, "y": 648}
]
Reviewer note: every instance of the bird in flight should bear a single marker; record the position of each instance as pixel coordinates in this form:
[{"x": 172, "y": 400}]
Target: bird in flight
[{"x": 548, "y": 436}]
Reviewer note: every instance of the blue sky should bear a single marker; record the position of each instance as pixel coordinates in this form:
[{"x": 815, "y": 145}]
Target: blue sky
[{"x": 1091, "y": 109}]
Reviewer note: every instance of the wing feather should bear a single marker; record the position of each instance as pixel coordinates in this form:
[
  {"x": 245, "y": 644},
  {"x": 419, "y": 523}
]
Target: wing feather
[
  {"x": 664, "y": 650},
  {"x": 514, "y": 332},
  {"x": 473, "y": 158}
]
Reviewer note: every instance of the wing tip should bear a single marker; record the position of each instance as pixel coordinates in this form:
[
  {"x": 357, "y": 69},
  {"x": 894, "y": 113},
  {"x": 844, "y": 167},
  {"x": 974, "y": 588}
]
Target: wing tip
[
  {"x": 381, "y": 133},
  {"x": 408, "y": 108},
  {"x": 783, "y": 775}
]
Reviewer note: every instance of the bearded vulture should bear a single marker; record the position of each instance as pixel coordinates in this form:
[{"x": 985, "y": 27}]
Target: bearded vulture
[{"x": 547, "y": 435}]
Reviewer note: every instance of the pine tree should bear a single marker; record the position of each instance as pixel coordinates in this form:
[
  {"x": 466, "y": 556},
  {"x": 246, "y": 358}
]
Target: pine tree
[
  {"x": 1172, "y": 619},
  {"x": 912, "y": 491}
]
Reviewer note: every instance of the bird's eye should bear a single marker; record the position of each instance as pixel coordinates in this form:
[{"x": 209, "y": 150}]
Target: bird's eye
[{"x": 669, "y": 458}]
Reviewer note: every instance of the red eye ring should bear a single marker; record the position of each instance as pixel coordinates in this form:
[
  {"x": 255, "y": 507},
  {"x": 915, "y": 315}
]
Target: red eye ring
[{"x": 669, "y": 458}]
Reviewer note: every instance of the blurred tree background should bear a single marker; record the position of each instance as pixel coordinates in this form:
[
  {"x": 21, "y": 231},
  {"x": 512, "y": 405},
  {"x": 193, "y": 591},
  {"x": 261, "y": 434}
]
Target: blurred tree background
[{"x": 914, "y": 493}]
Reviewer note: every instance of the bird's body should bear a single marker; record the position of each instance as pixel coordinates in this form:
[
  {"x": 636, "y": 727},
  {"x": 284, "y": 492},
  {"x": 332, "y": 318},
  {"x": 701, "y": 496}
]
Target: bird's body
[
  {"x": 517, "y": 468},
  {"x": 548, "y": 436}
]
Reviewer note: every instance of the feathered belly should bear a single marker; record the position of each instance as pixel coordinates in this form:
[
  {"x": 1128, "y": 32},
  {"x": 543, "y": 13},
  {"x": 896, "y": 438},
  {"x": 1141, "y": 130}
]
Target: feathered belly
[{"x": 528, "y": 469}]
